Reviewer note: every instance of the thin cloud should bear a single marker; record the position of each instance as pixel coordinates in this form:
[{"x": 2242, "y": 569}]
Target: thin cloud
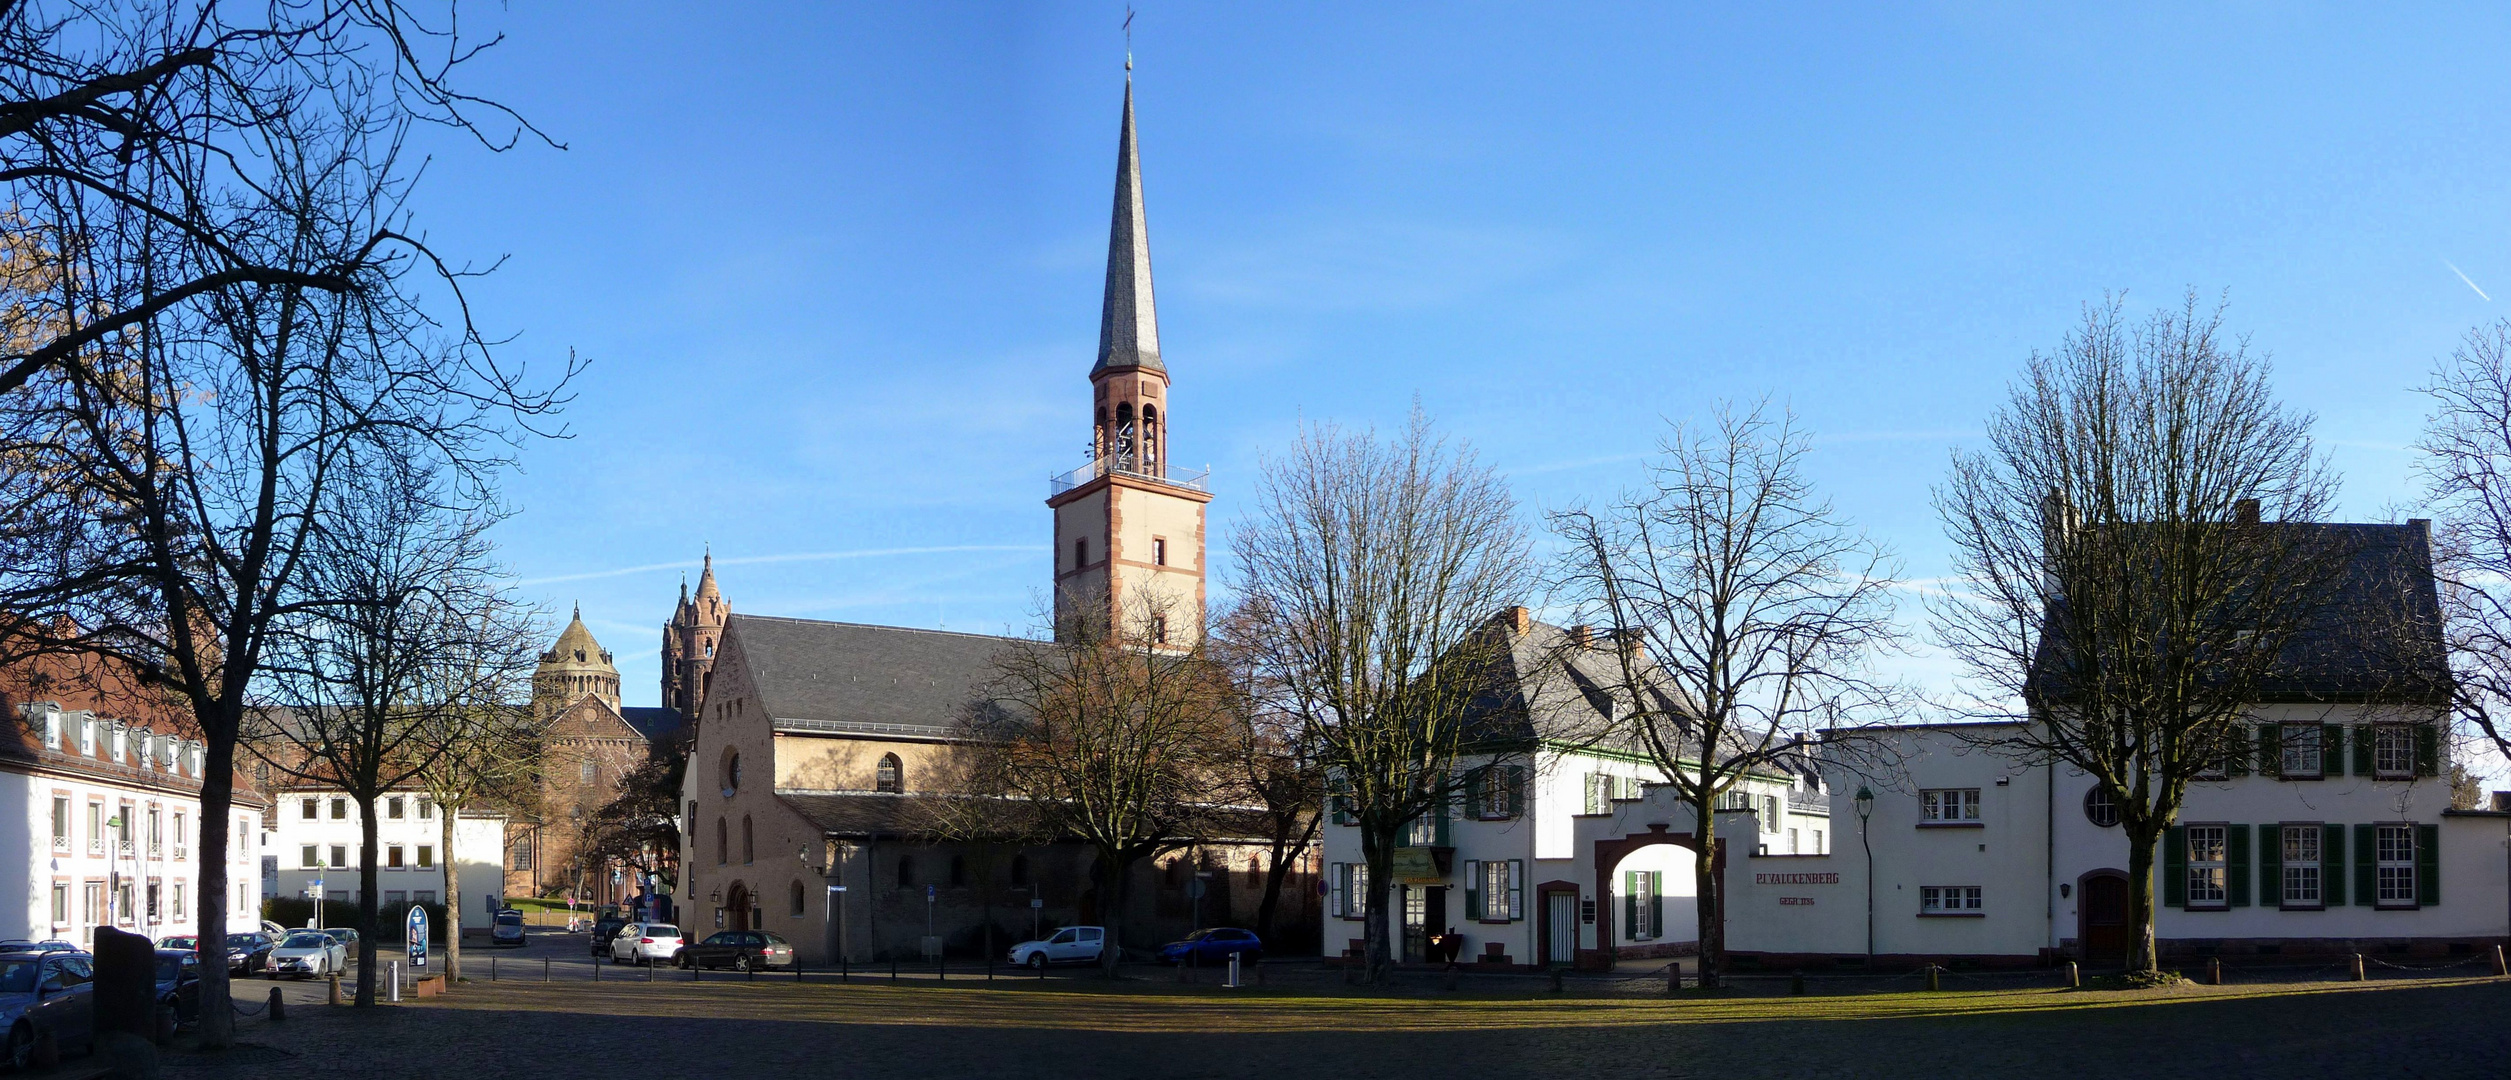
[
  {"x": 1565, "y": 466},
  {"x": 2454, "y": 268},
  {"x": 789, "y": 557}
]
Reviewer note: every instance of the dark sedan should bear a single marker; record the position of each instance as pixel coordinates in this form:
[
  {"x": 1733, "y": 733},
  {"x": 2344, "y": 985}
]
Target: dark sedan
[
  {"x": 46, "y": 995},
  {"x": 248, "y": 952},
  {"x": 740, "y": 950},
  {"x": 606, "y": 928},
  {"x": 179, "y": 984},
  {"x": 1211, "y": 948}
]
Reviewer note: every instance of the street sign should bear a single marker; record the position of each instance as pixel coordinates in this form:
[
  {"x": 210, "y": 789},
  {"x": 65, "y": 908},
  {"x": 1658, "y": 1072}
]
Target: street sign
[
  {"x": 416, "y": 938},
  {"x": 929, "y": 892},
  {"x": 1194, "y": 889},
  {"x": 1037, "y": 902}
]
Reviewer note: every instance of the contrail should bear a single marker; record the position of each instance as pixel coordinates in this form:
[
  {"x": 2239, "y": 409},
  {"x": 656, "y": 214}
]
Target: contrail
[
  {"x": 2454, "y": 268},
  {"x": 798, "y": 556}
]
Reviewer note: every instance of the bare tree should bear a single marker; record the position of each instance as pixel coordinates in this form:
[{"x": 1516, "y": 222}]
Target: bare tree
[
  {"x": 2466, "y": 466},
  {"x": 640, "y": 827},
  {"x": 1275, "y": 770},
  {"x": 492, "y": 753},
  {"x": 177, "y": 477},
  {"x": 365, "y": 688},
  {"x": 1098, "y": 736},
  {"x": 1373, "y": 568},
  {"x": 1742, "y": 614},
  {"x": 2125, "y": 592}
]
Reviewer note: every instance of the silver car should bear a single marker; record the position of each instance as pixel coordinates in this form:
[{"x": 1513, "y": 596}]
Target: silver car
[
  {"x": 645, "y": 943},
  {"x": 307, "y": 953}
]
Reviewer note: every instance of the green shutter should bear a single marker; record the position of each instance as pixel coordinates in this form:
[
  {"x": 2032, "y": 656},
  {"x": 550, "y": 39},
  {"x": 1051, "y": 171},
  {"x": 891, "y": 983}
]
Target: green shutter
[
  {"x": 2175, "y": 866},
  {"x": 2366, "y": 854},
  {"x": 2238, "y": 753},
  {"x": 1473, "y": 795},
  {"x": 1438, "y": 827},
  {"x": 1516, "y": 791},
  {"x": 2271, "y": 865},
  {"x": 2332, "y": 865},
  {"x": 2428, "y": 864},
  {"x": 1516, "y": 889},
  {"x": 2362, "y": 750},
  {"x": 2427, "y": 750},
  {"x": 1474, "y": 908},
  {"x": 1656, "y": 904},
  {"x": 2270, "y": 750},
  {"x": 2236, "y": 865},
  {"x": 1630, "y": 905}
]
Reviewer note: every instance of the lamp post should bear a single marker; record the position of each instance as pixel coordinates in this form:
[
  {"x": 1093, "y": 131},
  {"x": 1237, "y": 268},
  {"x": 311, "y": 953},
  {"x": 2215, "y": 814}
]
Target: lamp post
[{"x": 1865, "y": 802}]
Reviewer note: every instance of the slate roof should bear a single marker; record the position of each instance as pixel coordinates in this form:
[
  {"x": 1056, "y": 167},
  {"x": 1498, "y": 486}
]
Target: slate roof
[
  {"x": 2377, "y": 635},
  {"x": 657, "y": 725},
  {"x": 850, "y": 675},
  {"x": 1129, "y": 327}
]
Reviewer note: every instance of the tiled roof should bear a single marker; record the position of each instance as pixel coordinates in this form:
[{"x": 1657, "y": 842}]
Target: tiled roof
[{"x": 852, "y": 674}]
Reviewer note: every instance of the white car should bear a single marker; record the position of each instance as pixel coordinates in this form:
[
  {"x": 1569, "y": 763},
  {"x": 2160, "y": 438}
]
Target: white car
[
  {"x": 1070, "y": 945},
  {"x": 645, "y": 943},
  {"x": 308, "y": 953}
]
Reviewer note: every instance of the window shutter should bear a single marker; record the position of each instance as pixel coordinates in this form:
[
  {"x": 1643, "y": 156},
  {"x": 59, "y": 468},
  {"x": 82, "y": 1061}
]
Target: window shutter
[
  {"x": 1473, "y": 890},
  {"x": 2236, "y": 761},
  {"x": 2271, "y": 865},
  {"x": 2428, "y": 864},
  {"x": 1473, "y": 796},
  {"x": 2236, "y": 865},
  {"x": 1516, "y": 791},
  {"x": 2270, "y": 750},
  {"x": 1630, "y": 904},
  {"x": 1656, "y": 905},
  {"x": 2362, "y": 750},
  {"x": 2366, "y": 852},
  {"x": 1336, "y": 881},
  {"x": 2331, "y": 750},
  {"x": 2332, "y": 865},
  {"x": 1438, "y": 827},
  {"x": 2175, "y": 866},
  {"x": 1516, "y": 889},
  {"x": 2427, "y": 750}
]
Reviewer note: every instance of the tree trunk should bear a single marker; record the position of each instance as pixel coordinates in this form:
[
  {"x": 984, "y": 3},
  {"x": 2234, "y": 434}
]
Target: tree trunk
[
  {"x": 1269, "y": 908},
  {"x": 1712, "y": 903},
  {"x": 2142, "y": 956},
  {"x": 1380, "y": 859},
  {"x": 217, "y": 1014},
  {"x": 1113, "y": 894},
  {"x": 367, "y": 902},
  {"x": 453, "y": 894}
]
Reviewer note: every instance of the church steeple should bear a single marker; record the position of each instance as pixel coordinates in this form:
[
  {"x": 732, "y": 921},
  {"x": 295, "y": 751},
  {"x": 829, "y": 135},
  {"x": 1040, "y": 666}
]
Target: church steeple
[{"x": 1129, "y": 326}]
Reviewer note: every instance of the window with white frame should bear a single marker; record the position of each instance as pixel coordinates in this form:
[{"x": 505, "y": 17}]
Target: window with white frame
[
  {"x": 124, "y": 827},
  {"x": 1643, "y": 904},
  {"x": 2393, "y": 751},
  {"x": 2207, "y": 871},
  {"x": 60, "y": 823},
  {"x": 156, "y": 831},
  {"x": 2394, "y": 866},
  {"x": 2298, "y": 752},
  {"x": 1599, "y": 793},
  {"x": 1351, "y": 890},
  {"x": 1770, "y": 814},
  {"x": 340, "y": 855},
  {"x": 178, "y": 900},
  {"x": 309, "y": 811},
  {"x": 392, "y": 857},
  {"x": 427, "y": 856},
  {"x": 2299, "y": 848},
  {"x": 182, "y": 834},
  {"x": 427, "y": 809},
  {"x": 310, "y": 857},
  {"x": 1947, "y": 806},
  {"x": 95, "y": 828},
  {"x": 1948, "y": 900},
  {"x": 393, "y": 807},
  {"x": 1817, "y": 848},
  {"x": 1494, "y": 890},
  {"x": 60, "y": 903},
  {"x": 1424, "y": 831},
  {"x": 339, "y": 809}
]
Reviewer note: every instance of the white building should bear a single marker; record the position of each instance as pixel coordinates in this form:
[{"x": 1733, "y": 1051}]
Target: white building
[
  {"x": 1509, "y": 867},
  {"x": 316, "y": 839},
  {"x": 110, "y": 830}
]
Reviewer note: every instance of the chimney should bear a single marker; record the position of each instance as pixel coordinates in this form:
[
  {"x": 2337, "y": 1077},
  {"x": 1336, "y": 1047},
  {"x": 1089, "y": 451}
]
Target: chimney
[
  {"x": 2245, "y": 512},
  {"x": 1520, "y": 619},
  {"x": 1582, "y": 636}
]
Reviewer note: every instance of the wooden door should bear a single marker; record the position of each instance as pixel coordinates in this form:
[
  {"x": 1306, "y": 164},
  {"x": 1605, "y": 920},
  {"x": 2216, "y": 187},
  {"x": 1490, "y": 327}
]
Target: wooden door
[{"x": 2102, "y": 912}]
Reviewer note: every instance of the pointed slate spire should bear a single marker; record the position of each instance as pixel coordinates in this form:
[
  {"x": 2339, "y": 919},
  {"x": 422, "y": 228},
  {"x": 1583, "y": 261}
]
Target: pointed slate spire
[{"x": 1129, "y": 330}]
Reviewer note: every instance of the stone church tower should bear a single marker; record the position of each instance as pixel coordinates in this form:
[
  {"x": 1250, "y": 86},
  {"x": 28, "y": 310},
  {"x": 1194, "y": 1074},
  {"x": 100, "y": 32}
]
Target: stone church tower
[
  {"x": 689, "y": 641},
  {"x": 577, "y": 665},
  {"x": 1128, "y": 527}
]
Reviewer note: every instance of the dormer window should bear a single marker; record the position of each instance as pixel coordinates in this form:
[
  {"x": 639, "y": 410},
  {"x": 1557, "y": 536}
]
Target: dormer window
[{"x": 121, "y": 745}]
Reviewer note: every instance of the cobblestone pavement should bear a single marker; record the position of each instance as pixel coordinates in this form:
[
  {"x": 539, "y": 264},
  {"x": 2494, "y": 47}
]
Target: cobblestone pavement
[{"x": 1157, "y": 1028}]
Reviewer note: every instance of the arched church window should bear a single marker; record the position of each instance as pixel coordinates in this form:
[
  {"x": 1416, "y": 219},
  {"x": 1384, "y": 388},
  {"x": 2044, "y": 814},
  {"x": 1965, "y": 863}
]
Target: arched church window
[
  {"x": 1150, "y": 437},
  {"x": 732, "y": 771},
  {"x": 885, "y": 776},
  {"x": 1124, "y": 435}
]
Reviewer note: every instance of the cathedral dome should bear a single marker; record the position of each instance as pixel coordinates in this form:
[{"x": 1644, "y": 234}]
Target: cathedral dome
[{"x": 576, "y": 665}]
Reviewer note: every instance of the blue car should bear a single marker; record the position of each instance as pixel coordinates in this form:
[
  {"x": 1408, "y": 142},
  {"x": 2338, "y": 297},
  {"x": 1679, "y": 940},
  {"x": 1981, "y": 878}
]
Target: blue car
[
  {"x": 47, "y": 994},
  {"x": 179, "y": 984},
  {"x": 1211, "y": 948}
]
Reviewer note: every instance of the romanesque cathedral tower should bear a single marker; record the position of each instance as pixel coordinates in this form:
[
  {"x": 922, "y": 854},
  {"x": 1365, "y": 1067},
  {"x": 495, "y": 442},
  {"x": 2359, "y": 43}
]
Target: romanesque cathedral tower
[
  {"x": 689, "y": 642},
  {"x": 1128, "y": 530}
]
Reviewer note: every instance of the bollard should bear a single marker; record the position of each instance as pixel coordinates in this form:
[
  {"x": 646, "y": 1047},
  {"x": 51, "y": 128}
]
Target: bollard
[
  {"x": 2358, "y": 967},
  {"x": 2074, "y": 975},
  {"x": 278, "y": 1006},
  {"x": 1233, "y": 972},
  {"x": 597, "y": 970},
  {"x": 893, "y": 969},
  {"x": 1556, "y": 980},
  {"x": 845, "y": 970},
  {"x": 395, "y": 969},
  {"x": 335, "y": 987},
  {"x": 492, "y": 969},
  {"x": 1673, "y": 976},
  {"x": 1933, "y": 981},
  {"x": 2498, "y": 968},
  {"x": 941, "y": 968},
  {"x": 1796, "y": 984},
  {"x": 2214, "y": 971},
  {"x": 1041, "y": 971}
]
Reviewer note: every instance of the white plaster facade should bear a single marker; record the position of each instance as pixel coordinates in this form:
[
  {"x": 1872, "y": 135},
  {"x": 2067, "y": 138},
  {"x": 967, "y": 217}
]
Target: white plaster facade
[{"x": 315, "y": 836}]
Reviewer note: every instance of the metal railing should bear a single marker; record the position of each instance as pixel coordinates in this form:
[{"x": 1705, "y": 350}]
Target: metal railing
[{"x": 1124, "y": 464}]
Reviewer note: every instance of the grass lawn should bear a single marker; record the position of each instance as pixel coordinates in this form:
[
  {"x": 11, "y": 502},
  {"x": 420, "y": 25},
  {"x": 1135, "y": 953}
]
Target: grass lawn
[{"x": 1156, "y": 1029}]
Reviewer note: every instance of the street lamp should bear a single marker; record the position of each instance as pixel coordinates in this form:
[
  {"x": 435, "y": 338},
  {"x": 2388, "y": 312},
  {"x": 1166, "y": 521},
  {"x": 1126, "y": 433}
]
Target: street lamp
[{"x": 1865, "y": 802}]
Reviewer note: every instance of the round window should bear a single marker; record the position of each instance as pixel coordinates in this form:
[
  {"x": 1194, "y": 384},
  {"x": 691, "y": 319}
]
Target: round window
[{"x": 2100, "y": 808}]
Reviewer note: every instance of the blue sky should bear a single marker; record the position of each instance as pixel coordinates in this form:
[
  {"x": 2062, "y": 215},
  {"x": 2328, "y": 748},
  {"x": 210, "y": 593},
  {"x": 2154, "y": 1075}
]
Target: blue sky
[{"x": 836, "y": 267}]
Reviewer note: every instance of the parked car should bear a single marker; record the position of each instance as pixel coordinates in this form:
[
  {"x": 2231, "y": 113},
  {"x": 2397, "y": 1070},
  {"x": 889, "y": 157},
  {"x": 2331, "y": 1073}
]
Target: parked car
[
  {"x": 604, "y": 929},
  {"x": 645, "y": 943},
  {"x": 47, "y": 994},
  {"x": 739, "y": 950},
  {"x": 346, "y": 936},
  {"x": 179, "y": 983},
  {"x": 507, "y": 929},
  {"x": 22, "y": 945},
  {"x": 307, "y": 953},
  {"x": 249, "y": 952},
  {"x": 273, "y": 929},
  {"x": 185, "y": 942},
  {"x": 1211, "y": 948},
  {"x": 1070, "y": 945}
]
